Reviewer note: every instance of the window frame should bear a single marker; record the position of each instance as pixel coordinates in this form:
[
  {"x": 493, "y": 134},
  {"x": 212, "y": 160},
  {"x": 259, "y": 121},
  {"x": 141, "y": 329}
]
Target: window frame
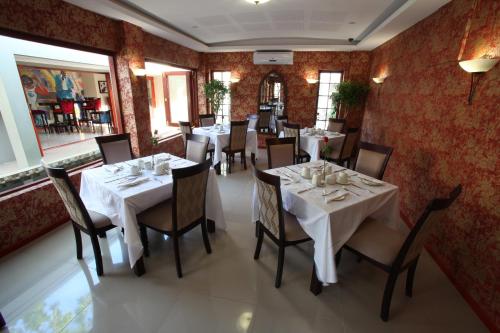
[
  {"x": 341, "y": 72},
  {"x": 221, "y": 117}
]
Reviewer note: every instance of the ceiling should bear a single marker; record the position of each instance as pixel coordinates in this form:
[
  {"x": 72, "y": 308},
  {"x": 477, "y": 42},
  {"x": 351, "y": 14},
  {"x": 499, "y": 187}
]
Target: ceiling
[{"x": 235, "y": 25}]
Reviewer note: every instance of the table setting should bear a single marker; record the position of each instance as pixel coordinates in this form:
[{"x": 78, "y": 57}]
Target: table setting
[
  {"x": 122, "y": 190},
  {"x": 312, "y": 141},
  {"x": 330, "y": 202}
]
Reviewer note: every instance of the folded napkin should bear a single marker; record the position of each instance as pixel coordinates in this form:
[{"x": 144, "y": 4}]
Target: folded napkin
[
  {"x": 339, "y": 195},
  {"x": 112, "y": 168},
  {"x": 371, "y": 181},
  {"x": 133, "y": 182}
]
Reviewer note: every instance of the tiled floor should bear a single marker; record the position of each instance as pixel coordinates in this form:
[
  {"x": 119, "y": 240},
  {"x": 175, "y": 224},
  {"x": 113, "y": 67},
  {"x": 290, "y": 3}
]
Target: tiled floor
[{"x": 44, "y": 288}]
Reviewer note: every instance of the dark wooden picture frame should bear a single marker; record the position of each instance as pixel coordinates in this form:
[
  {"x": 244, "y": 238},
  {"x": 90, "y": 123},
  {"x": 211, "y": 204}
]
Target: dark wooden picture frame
[{"x": 103, "y": 87}]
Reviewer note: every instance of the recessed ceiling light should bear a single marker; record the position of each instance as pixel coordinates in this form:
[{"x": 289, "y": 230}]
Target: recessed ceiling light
[{"x": 257, "y": 2}]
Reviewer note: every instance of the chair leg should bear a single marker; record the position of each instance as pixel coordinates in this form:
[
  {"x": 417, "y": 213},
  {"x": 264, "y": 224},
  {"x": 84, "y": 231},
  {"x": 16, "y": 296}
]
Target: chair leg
[
  {"x": 386, "y": 301},
  {"x": 97, "y": 254},
  {"x": 260, "y": 238},
  {"x": 244, "y": 158},
  {"x": 281, "y": 261},
  {"x": 78, "y": 238},
  {"x": 338, "y": 256},
  {"x": 102, "y": 234},
  {"x": 229, "y": 162},
  {"x": 144, "y": 239},
  {"x": 410, "y": 276},
  {"x": 177, "y": 256},
  {"x": 256, "y": 229},
  {"x": 204, "y": 233}
]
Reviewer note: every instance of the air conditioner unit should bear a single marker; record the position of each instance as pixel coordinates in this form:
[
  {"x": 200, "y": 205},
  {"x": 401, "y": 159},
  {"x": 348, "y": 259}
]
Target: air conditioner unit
[{"x": 273, "y": 58}]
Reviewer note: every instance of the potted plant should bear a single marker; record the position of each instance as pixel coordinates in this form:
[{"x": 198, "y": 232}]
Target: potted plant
[
  {"x": 348, "y": 95},
  {"x": 215, "y": 91}
]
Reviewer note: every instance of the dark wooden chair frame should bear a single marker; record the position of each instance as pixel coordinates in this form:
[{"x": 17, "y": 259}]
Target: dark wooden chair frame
[
  {"x": 398, "y": 265},
  {"x": 386, "y": 150},
  {"x": 90, "y": 228},
  {"x": 276, "y": 123},
  {"x": 176, "y": 233},
  {"x": 186, "y": 124},
  {"x": 205, "y": 116},
  {"x": 198, "y": 138},
  {"x": 230, "y": 153},
  {"x": 261, "y": 229},
  {"x": 112, "y": 138},
  {"x": 300, "y": 159},
  {"x": 278, "y": 141},
  {"x": 340, "y": 121},
  {"x": 262, "y": 127},
  {"x": 340, "y": 160}
]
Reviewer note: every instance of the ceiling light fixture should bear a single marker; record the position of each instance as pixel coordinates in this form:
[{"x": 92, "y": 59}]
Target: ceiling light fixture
[{"x": 257, "y": 2}]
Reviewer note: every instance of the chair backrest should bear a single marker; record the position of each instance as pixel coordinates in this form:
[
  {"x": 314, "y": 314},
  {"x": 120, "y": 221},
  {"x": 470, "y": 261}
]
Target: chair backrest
[
  {"x": 185, "y": 127},
  {"x": 349, "y": 142},
  {"x": 207, "y": 120},
  {"x": 336, "y": 125},
  {"x": 435, "y": 210},
  {"x": 293, "y": 131},
  {"x": 196, "y": 147},
  {"x": 115, "y": 148},
  {"x": 70, "y": 197},
  {"x": 253, "y": 121},
  {"x": 372, "y": 159},
  {"x": 238, "y": 136},
  {"x": 264, "y": 118},
  {"x": 280, "y": 152},
  {"x": 280, "y": 120},
  {"x": 270, "y": 204},
  {"x": 189, "y": 194},
  {"x": 67, "y": 106}
]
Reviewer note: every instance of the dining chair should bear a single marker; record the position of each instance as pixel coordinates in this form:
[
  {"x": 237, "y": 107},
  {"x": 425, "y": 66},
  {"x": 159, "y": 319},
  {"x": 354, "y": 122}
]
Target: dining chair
[
  {"x": 293, "y": 131},
  {"x": 344, "y": 154},
  {"x": 279, "y": 225},
  {"x": 372, "y": 159},
  {"x": 88, "y": 106},
  {"x": 196, "y": 147},
  {"x": 280, "y": 152},
  {"x": 336, "y": 125},
  {"x": 394, "y": 252},
  {"x": 185, "y": 127},
  {"x": 264, "y": 120},
  {"x": 41, "y": 119},
  {"x": 237, "y": 143},
  {"x": 207, "y": 120},
  {"x": 253, "y": 121},
  {"x": 90, "y": 222},
  {"x": 68, "y": 110},
  {"x": 279, "y": 121},
  {"x": 115, "y": 148},
  {"x": 186, "y": 210}
]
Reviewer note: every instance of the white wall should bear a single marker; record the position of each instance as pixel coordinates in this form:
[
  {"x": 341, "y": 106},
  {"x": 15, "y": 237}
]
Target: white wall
[{"x": 6, "y": 153}]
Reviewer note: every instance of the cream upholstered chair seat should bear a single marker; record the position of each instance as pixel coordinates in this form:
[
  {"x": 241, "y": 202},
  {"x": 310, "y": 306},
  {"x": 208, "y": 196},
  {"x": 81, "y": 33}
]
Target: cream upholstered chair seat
[
  {"x": 376, "y": 240},
  {"x": 158, "y": 217},
  {"x": 293, "y": 230},
  {"x": 99, "y": 219}
]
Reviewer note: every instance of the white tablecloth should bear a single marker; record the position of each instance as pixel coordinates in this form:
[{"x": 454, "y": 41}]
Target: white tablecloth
[
  {"x": 331, "y": 225},
  {"x": 221, "y": 140},
  {"x": 312, "y": 144},
  {"x": 121, "y": 205}
]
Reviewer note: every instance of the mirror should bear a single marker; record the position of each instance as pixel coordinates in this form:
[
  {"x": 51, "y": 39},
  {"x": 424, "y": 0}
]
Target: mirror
[{"x": 272, "y": 95}]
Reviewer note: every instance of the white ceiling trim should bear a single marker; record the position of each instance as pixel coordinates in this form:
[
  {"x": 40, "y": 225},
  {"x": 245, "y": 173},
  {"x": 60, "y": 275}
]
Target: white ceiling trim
[{"x": 399, "y": 16}]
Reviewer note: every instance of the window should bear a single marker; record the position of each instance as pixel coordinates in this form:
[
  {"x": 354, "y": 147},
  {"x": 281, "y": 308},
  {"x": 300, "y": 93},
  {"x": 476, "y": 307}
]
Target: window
[
  {"x": 328, "y": 82},
  {"x": 225, "y": 77}
]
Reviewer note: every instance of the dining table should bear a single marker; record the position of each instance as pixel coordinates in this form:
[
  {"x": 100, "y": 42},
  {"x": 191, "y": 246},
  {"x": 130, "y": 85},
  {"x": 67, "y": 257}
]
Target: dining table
[
  {"x": 330, "y": 222},
  {"x": 313, "y": 143},
  {"x": 220, "y": 139},
  {"x": 112, "y": 191}
]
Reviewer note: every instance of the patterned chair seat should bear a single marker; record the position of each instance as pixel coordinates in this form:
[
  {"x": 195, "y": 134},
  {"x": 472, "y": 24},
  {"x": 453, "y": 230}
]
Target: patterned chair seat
[
  {"x": 99, "y": 219},
  {"x": 158, "y": 217}
]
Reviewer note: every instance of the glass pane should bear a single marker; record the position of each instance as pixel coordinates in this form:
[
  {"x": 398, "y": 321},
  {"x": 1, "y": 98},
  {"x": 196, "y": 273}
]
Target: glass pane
[
  {"x": 324, "y": 77},
  {"x": 323, "y": 89},
  {"x": 323, "y": 102},
  {"x": 336, "y": 77}
]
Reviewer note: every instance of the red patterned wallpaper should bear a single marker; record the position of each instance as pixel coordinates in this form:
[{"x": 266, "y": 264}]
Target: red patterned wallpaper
[
  {"x": 301, "y": 103},
  {"x": 58, "y": 20},
  {"x": 159, "y": 49},
  {"x": 439, "y": 140}
]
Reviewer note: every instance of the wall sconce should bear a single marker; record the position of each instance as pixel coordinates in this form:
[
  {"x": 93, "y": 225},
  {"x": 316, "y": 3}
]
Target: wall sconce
[
  {"x": 234, "y": 79},
  {"x": 378, "y": 80},
  {"x": 477, "y": 67},
  {"x": 139, "y": 71},
  {"x": 312, "y": 81}
]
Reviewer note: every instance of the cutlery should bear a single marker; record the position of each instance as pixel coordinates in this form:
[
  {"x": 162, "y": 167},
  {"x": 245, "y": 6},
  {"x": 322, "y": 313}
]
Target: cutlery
[
  {"x": 292, "y": 170},
  {"x": 351, "y": 191},
  {"x": 362, "y": 188},
  {"x": 154, "y": 178},
  {"x": 304, "y": 190},
  {"x": 128, "y": 179},
  {"x": 115, "y": 179},
  {"x": 331, "y": 192},
  {"x": 340, "y": 170}
]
